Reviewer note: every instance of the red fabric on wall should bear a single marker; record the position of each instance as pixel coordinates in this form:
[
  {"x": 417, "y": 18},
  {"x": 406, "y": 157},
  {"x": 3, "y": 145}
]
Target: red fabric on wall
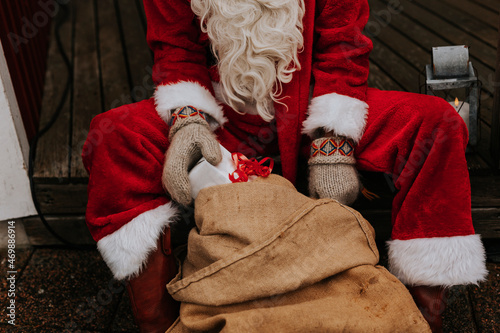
[{"x": 24, "y": 31}]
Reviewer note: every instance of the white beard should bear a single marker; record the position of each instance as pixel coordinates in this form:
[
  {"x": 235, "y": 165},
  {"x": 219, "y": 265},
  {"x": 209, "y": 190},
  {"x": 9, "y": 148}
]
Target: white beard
[{"x": 256, "y": 43}]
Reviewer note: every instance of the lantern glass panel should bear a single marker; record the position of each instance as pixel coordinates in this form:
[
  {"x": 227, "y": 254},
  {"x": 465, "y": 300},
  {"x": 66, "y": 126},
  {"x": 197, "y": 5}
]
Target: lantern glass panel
[{"x": 464, "y": 89}]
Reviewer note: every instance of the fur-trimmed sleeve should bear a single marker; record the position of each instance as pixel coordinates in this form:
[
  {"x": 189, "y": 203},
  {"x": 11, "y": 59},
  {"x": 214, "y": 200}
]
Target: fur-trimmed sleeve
[
  {"x": 180, "y": 70},
  {"x": 340, "y": 68}
]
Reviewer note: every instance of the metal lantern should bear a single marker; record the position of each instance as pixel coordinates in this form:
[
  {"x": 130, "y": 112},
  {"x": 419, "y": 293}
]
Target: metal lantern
[{"x": 452, "y": 77}]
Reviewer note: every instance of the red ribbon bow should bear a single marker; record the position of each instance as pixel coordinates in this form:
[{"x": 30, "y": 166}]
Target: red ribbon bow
[{"x": 249, "y": 167}]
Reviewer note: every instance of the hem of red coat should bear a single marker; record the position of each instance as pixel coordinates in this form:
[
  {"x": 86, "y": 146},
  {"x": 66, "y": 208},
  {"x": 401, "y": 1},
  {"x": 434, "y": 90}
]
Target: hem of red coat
[
  {"x": 438, "y": 261},
  {"x": 126, "y": 250}
]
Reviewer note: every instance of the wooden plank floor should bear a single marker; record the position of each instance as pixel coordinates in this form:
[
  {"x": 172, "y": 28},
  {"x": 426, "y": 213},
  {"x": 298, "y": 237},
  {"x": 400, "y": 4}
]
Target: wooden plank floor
[
  {"x": 403, "y": 36},
  {"x": 105, "y": 42}
]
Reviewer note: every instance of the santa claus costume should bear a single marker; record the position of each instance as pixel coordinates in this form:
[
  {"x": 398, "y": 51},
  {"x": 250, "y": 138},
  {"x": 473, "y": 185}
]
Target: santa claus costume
[{"x": 318, "y": 87}]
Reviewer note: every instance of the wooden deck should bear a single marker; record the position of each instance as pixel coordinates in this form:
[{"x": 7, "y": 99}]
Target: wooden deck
[
  {"x": 403, "y": 36},
  {"x": 105, "y": 41}
]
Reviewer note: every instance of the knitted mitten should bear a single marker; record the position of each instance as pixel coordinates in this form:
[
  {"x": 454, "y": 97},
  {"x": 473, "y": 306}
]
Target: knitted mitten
[
  {"x": 332, "y": 173},
  {"x": 190, "y": 139}
]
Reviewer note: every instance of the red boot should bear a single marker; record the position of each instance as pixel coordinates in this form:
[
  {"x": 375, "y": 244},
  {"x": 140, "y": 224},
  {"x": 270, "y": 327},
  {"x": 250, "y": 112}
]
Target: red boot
[
  {"x": 432, "y": 302},
  {"x": 154, "y": 309}
]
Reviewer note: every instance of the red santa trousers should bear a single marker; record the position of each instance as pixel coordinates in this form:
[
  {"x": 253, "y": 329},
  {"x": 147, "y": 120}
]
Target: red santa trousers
[{"x": 420, "y": 140}]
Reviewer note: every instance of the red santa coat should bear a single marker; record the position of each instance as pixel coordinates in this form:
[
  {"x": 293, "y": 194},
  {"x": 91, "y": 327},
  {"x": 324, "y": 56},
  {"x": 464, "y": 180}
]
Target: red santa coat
[
  {"x": 335, "y": 53},
  {"x": 131, "y": 141},
  {"x": 335, "y": 56}
]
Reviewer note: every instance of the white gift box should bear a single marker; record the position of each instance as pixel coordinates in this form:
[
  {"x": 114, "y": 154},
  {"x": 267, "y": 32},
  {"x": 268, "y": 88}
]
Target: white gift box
[{"x": 204, "y": 174}]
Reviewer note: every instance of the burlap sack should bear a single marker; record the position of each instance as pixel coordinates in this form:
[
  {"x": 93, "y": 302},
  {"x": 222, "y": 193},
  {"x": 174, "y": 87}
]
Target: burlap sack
[{"x": 265, "y": 258}]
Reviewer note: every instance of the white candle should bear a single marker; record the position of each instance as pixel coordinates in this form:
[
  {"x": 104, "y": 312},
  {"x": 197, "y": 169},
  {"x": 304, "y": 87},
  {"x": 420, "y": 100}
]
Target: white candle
[{"x": 463, "y": 110}]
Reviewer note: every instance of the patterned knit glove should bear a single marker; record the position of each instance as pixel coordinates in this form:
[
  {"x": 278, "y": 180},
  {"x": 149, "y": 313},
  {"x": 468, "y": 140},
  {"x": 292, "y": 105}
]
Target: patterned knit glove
[
  {"x": 190, "y": 139},
  {"x": 332, "y": 173}
]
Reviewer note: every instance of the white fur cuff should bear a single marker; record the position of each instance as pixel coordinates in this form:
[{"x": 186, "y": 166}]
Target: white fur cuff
[
  {"x": 344, "y": 115},
  {"x": 439, "y": 261},
  {"x": 172, "y": 96},
  {"x": 126, "y": 250}
]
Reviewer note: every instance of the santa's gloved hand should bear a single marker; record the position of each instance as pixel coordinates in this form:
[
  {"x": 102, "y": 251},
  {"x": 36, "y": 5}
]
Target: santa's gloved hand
[
  {"x": 332, "y": 172},
  {"x": 190, "y": 139}
]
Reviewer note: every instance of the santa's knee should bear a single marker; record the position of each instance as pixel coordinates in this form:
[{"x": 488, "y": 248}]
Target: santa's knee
[
  {"x": 438, "y": 122},
  {"x": 116, "y": 128}
]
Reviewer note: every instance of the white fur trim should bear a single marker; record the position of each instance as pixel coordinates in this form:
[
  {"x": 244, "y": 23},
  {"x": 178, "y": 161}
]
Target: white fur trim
[
  {"x": 344, "y": 115},
  {"x": 172, "y": 96},
  {"x": 126, "y": 250},
  {"x": 439, "y": 261}
]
